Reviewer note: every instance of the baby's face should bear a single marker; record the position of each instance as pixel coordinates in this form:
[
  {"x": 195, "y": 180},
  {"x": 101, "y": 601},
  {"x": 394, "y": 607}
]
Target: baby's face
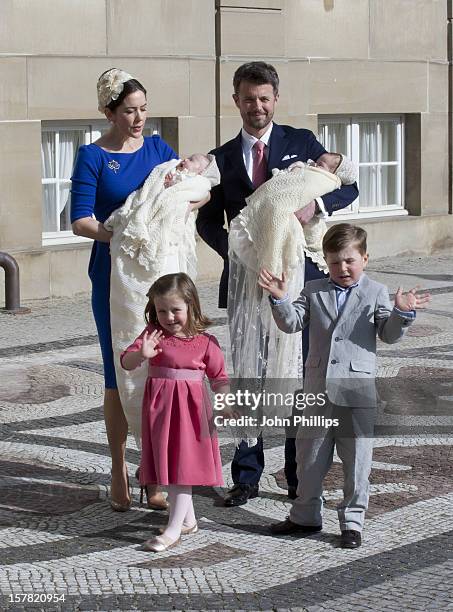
[
  {"x": 329, "y": 162},
  {"x": 196, "y": 163}
]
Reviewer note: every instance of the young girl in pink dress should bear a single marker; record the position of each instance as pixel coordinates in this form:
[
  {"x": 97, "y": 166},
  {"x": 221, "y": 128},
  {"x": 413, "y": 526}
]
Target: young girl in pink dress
[{"x": 179, "y": 445}]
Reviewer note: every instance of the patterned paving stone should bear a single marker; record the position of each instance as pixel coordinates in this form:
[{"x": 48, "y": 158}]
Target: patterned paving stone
[
  {"x": 405, "y": 590},
  {"x": 202, "y": 557},
  {"x": 423, "y": 331},
  {"x": 45, "y": 497}
]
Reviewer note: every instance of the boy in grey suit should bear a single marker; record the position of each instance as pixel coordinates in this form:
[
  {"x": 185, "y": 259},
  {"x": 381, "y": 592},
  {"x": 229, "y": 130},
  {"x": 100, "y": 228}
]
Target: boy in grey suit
[{"x": 344, "y": 314}]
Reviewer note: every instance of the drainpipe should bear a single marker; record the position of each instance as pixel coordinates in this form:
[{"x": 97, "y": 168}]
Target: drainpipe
[
  {"x": 218, "y": 53},
  {"x": 450, "y": 103},
  {"x": 12, "y": 286}
]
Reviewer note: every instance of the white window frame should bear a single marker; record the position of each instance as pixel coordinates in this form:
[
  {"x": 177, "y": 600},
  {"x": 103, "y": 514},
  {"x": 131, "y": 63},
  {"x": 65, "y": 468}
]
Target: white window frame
[
  {"x": 93, "y": 132},
  {"x": 353, "y": 211}
]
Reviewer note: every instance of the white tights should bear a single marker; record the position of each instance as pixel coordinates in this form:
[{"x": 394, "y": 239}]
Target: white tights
[{"x": 181, "y": 510}]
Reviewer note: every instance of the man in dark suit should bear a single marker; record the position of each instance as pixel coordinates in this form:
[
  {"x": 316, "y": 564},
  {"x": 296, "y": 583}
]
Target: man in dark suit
[{"x": 243, "y": 167}]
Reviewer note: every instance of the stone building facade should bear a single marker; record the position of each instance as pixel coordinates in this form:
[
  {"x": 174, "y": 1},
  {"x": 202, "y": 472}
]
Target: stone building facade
[{"x": 371, "y": 76}]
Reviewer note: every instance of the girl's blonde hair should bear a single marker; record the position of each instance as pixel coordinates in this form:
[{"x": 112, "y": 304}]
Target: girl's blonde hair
[{"x": 183, "y": 286}]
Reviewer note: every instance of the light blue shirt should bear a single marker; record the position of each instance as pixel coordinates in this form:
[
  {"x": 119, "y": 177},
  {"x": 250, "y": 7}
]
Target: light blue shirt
[{"x": 342, "y": 294}]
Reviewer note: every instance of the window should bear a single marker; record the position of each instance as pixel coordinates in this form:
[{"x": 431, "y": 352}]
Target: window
[
  {"x": 59, "y": 145},
  {"x": 375, "y": 144}
]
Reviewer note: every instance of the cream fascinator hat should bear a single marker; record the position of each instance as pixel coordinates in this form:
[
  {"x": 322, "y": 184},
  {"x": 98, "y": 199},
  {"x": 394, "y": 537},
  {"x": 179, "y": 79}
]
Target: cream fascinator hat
[{"x": 110, "y": 85}]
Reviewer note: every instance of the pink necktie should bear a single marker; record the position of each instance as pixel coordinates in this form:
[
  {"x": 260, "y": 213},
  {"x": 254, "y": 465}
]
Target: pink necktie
[{"x": 259, "y": 174}]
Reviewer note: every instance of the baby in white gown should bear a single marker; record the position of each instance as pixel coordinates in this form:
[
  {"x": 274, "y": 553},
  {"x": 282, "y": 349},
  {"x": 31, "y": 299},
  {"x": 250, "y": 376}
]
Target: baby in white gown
[
  {"x": 190, "y": 166},
  {"x": 314, "y": 230},
  {"x": 268, "y": 234},
  {"x": 153, "y": 235}
]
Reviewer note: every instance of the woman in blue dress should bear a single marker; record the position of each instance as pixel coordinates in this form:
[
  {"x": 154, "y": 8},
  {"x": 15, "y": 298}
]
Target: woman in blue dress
[{"x": 105, "y": 173}]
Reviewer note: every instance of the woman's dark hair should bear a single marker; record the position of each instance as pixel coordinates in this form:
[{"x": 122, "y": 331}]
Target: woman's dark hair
[
  {"x": 183, "y": 286},
  {"x": 129, "y": 87},
  {"x": 258, "y": 73}
]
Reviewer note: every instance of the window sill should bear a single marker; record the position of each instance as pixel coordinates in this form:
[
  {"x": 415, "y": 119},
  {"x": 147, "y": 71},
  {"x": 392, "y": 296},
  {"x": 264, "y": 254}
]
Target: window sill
[
  {"x": 62, "y": 238},
  {"x": 368, "y": 214}
]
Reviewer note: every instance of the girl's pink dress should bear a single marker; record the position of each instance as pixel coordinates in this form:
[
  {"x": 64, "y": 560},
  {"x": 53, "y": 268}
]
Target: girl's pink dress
[{"x": 179, "y": 441}]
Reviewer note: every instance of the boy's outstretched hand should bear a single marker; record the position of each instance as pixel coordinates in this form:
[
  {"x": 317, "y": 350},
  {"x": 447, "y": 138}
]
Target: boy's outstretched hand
[
  {"x": 277, "y": 287},
  {"x": 411, "y": 300}
]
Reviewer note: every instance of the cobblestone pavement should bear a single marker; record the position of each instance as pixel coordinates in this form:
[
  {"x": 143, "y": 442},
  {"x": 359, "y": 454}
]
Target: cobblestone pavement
[{"x": 59, "y": 538}]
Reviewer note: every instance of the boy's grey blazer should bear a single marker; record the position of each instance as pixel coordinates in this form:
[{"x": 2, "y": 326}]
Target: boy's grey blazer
[{"x": 342, "y": 356}]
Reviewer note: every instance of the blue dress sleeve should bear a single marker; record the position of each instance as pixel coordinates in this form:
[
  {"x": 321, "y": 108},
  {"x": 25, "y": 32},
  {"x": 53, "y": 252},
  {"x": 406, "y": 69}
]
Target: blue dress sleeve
[
  {"x": 165, "y": 151},
  {"x": 84, "y": 183}
]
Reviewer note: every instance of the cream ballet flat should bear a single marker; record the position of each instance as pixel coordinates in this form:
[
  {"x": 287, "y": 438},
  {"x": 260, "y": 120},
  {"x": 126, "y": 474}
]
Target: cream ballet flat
[{"x": 160, "y": 543}]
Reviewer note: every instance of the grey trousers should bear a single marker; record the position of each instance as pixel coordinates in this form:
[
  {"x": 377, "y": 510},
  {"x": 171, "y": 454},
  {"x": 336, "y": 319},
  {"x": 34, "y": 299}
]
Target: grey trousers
[{"x": 314, "y": 454}]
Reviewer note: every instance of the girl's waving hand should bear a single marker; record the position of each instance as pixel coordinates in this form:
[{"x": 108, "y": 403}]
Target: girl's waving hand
[{"x": 150, "y": 344}]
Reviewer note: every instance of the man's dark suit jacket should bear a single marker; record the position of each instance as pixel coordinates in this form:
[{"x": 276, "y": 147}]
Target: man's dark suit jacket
[{"x": 235, "y": 186}]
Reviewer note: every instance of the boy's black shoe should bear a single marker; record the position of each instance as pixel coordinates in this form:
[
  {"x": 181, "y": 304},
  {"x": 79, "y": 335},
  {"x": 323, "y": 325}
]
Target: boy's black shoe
[
  {"x": 240, "y": 494},
  {"x": 292, "y": 492},
  {"x": 350, "y": 539},
  {"x": 287, "y": 527}
]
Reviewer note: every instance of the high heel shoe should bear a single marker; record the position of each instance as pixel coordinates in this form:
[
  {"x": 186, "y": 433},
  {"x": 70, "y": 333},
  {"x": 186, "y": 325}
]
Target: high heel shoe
[
  {"x": 119, "y": 507},
  {"x": 155, "y": 501}
]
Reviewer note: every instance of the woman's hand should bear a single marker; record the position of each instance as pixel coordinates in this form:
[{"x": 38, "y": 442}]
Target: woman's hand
[
  {"x": 410, "y": 300},
  {"x": 168, "y": 180},
  {"x": 277, "y": 287},
  {"x": 196, "y": 205},
  {"x": 150, "y": 342},
  {"x": 89, "y": 227}
]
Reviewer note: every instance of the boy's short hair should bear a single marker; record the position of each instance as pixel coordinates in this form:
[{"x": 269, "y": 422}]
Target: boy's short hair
[
  {"x": 258, "y": 73},
  {"x": 342, "y": 235}
]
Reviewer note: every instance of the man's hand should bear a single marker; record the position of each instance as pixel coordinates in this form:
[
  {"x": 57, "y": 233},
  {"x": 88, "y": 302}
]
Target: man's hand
[
  {"x": 296, "y": 164},
  {"x": 410, "y": 300},
  {"x": 306, "y": 214},
  {"x": 277, "y": 287}
]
